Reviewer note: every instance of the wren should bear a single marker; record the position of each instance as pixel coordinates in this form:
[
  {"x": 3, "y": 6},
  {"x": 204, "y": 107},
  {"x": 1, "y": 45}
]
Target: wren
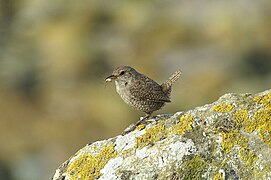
[{"x": 140, "y": 91}]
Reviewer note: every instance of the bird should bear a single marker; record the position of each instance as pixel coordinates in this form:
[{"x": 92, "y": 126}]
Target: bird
[{"x": 141, "y": 92}]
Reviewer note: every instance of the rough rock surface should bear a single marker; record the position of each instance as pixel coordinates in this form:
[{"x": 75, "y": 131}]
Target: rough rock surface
[{"x": 228, "y": 139}]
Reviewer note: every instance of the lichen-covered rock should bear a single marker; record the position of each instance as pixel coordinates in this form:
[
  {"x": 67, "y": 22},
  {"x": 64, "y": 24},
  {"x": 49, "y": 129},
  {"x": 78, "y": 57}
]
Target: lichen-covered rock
[{"x": 229, "y": 139}]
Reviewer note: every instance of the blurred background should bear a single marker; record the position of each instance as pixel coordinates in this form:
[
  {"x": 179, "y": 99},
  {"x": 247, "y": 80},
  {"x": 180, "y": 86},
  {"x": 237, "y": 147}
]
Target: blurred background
[{"x": 54, "y": 56}]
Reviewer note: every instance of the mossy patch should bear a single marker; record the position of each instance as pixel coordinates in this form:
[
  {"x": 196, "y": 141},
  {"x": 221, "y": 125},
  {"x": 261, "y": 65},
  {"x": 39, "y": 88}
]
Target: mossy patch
[
  {"x": 193, "y": 168},
  {"x": 151, "y": 136},
  {"x": 223, "y": 108},
  {"x": 184, "y": 125},
  {"x": 88, "y": 167}
]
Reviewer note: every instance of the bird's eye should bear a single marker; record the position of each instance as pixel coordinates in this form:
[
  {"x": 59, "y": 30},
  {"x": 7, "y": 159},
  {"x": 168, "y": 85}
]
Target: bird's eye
[{"x": 122, "y": 72}]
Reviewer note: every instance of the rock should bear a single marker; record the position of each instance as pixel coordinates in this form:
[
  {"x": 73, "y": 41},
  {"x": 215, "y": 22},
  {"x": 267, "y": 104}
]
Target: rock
[{"x": 228, "y": 139}]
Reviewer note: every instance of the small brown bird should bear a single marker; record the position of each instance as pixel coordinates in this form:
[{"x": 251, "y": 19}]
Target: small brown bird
[{"x": 141, "y": 92}]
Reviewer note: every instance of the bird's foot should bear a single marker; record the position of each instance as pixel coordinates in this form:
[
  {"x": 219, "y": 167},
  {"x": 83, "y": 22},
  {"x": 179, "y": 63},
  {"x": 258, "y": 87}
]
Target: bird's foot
[{"x": 133, "y": 126}]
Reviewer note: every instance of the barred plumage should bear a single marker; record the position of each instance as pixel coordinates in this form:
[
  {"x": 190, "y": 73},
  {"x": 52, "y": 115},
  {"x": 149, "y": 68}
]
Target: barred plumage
[{"x": 166, "y": 86}]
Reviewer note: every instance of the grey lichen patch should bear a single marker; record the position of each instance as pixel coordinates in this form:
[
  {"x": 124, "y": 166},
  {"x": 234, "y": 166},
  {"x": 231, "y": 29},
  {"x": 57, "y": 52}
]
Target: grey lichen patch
[
  {"x": 128, "y": 141},
  {"x": 181, "y": 149},
  {"x": 109, "y": 170}
]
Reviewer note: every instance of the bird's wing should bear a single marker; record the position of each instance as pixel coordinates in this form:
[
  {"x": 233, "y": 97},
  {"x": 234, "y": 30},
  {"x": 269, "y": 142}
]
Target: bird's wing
[{"x": 146, "y": 89}]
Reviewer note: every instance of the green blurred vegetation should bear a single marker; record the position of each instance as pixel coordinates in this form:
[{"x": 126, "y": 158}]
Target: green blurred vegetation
[{"x": 54, "y": 56}]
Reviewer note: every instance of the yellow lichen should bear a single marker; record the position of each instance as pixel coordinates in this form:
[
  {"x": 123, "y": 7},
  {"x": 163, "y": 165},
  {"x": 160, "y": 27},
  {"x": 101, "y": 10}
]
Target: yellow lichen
[
  {"x": 248, "y": 157},
  {"x": 184, "y": 125},
  {"x": 263, "y": 118},
  {"x": 218, "y": 176},
  {"x": 242, "y": 120},
  {"x": 223, "y": 108},
  {"x": 88, "y": 167},
  {"x": 194, "y": 168},
  {"x": 127, "y": 151},
  {"x": 264, "y": 100},
  {"x": 232, "y": 138},
  {"x": 140, "y": 127},
  {"x": 151, "y": 136}
]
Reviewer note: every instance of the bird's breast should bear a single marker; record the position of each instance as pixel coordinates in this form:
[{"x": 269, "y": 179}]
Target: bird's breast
[
  {"x": 117, "y": 86},
  {"x": 123, "y": 90}
]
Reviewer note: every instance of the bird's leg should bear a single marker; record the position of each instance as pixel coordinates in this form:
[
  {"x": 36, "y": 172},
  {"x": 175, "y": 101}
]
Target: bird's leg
[
  {"x": 143, "y": 120},
  {"x": 133, "y": 126}
]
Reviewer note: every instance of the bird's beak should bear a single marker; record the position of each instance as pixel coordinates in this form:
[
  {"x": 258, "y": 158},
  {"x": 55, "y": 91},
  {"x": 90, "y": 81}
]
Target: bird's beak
[{"x": 110, "y": 78}]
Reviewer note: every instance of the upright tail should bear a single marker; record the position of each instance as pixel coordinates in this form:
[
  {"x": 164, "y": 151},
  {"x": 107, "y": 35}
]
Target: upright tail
[{"x": 168, "y": 83}]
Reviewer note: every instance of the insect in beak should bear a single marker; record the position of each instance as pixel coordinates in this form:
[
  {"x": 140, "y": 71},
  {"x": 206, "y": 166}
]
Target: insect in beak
[{"x": 110, "y": 78}]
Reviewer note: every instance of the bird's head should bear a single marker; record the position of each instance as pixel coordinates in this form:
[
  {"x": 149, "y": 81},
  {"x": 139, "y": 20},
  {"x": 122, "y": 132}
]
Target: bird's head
[{"x": 122, "y": 73}]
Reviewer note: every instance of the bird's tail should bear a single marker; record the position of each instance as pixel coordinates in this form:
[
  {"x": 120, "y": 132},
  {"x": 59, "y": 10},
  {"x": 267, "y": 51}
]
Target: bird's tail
[{"x": 168, "y": 83}]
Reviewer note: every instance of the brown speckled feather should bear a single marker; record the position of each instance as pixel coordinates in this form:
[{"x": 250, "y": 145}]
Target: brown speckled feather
[{"x": 148, "y": 90}]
